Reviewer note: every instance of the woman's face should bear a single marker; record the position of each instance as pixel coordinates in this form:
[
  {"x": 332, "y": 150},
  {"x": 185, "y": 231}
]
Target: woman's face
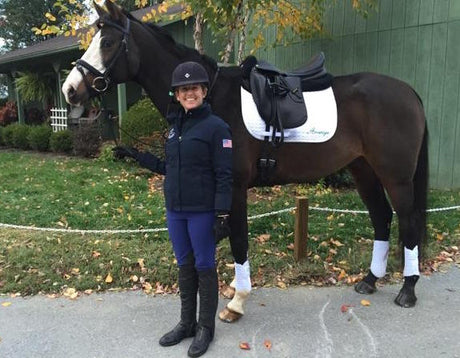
[{"x": 191, "y": 96}]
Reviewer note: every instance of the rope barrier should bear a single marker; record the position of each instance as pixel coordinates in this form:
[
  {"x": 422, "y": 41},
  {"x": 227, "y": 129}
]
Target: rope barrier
[{"x": 137, "y": 231}]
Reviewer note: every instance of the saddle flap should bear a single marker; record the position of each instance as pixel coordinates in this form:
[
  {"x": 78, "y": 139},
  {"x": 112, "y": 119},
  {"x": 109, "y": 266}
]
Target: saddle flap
[{"x": 279, "y": 99}]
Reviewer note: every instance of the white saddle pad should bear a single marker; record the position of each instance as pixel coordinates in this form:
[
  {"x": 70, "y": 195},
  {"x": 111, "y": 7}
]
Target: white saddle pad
[{"x": 319, "y": 127}]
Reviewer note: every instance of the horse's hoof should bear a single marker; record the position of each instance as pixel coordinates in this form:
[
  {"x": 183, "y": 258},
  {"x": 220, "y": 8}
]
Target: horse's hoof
[
  {"x": 229, "y": 316},
  {"x": 364, "y": 288},
  {"x": 228, "y": 292},
  {"x": 406, "y": 300}
]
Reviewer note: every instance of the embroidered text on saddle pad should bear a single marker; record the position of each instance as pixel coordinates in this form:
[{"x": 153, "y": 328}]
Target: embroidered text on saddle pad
[{"x": 320, "y": 126}]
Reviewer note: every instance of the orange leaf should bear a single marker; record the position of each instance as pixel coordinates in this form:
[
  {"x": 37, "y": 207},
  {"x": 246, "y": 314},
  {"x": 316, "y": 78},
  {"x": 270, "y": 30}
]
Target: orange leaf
[
  {"x": 245, "y": 346},
  {"x": 268, "y": 344},
  {"x": 342, "y": 275},
  {"x": 365, "y": 303}
]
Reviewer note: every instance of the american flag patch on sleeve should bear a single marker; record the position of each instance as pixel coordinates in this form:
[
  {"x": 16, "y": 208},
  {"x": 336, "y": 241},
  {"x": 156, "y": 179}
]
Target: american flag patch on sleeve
[{"x": 226, "y": 143}]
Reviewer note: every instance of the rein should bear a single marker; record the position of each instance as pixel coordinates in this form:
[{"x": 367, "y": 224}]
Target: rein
[{"x": 101, "y": 80}]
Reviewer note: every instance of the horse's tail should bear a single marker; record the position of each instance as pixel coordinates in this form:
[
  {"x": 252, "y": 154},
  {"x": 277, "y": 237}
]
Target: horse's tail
[{"x": 421, "y": 189}]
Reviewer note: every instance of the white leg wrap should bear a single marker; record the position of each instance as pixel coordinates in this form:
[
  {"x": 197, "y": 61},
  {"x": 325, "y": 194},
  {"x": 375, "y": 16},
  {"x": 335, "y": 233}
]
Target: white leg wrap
[
  {"x": 380, "y": 258},
  {"x": 242, "y": 277},
  {"x": 411, "y": 262},
  {"x": 242, "y": 283}
]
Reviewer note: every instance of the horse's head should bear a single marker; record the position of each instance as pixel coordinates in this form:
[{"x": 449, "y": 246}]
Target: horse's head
[{"x": 111, "y": 57}]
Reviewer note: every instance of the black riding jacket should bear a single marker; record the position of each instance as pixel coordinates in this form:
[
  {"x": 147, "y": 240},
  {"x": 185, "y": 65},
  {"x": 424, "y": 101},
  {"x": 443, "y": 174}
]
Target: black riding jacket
[{"x": 198, "y": 164}]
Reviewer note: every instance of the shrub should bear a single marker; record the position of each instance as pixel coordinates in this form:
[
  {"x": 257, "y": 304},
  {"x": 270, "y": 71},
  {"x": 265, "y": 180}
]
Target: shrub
[
  {"x": 106, "y": 153},
  {"x": 61, "y": 141},
  {"x": 141, "y": 120},
  {"x": 1, "y": 136},
  {"x": 8, "y": 113},
  {"x": 35, "y": 116},
  {"x": 155, "y": 144},
  {"x": 340, "y": 179},
  {"x": 7, "y": 135},
  {"x": 20, "y": 134},
  {"x": 39, "y": 137},
  {"x": 86, "y": 140}
]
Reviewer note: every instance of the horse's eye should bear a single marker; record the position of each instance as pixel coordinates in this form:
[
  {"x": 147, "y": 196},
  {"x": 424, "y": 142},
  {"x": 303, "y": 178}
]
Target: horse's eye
[{"x": 106, "y": 43}]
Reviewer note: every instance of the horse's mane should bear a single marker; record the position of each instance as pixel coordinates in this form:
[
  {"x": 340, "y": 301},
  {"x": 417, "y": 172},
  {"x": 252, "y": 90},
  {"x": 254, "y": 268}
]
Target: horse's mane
[{"x": 165, "y": 37}]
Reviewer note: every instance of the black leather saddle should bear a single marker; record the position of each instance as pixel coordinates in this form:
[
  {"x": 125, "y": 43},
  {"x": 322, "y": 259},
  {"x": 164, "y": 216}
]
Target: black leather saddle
[{"x": 278, "y": 94}]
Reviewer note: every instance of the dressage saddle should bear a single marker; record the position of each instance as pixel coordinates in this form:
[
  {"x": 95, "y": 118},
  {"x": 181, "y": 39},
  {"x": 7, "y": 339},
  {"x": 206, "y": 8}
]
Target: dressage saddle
[{"x": 278, "y": 94}]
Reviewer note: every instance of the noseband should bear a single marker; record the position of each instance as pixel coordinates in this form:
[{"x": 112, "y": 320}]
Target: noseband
[{"x": 101, "y": 80}]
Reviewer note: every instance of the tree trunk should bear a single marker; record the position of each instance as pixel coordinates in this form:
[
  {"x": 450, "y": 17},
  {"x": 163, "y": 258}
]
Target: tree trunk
[
  {"x": 198, "y": 33},
  {"x": 242, "y": 43},
  {"x": 232, "y": 33},
  {"x": 229, "y": 47}
]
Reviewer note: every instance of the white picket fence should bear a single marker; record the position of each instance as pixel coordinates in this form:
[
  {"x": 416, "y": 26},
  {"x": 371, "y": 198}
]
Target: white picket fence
[{"x": 58, "y": 119}]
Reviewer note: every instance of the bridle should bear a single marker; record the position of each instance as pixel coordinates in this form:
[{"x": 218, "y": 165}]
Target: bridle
[{"x": 101, "y": 81}]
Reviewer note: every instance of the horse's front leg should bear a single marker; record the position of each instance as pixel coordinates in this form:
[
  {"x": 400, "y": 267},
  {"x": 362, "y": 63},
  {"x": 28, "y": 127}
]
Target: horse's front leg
[{"x": 239, "y": 245}]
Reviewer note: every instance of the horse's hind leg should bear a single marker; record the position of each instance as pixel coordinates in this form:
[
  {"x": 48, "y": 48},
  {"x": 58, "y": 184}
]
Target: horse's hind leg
[
  {"x": 411, "y": 231},
  {"x": 373, "y": 195}
]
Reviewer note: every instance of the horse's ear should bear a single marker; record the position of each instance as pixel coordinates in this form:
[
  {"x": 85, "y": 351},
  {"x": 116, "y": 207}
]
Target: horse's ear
[
  {"x": 114, "y": 10},
  {"x": 100, "y": 11}
]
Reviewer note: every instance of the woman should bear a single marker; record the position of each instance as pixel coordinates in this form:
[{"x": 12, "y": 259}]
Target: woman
[{"x": 198, "y": 191}]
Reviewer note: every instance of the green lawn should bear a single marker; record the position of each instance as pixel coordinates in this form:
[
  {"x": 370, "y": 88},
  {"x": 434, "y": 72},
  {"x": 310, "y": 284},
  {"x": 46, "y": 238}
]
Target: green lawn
[{"x": 58, "y": 192}]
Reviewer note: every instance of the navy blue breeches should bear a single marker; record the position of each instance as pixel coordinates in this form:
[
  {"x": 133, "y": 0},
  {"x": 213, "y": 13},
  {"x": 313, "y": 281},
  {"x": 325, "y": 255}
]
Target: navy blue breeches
[{"x": 193, "y": 232}]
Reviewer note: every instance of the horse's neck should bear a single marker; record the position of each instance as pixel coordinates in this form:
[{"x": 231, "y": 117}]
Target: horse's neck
[
  {"x": 154, "y": 77},
  {"x": 157, "y": 63}
]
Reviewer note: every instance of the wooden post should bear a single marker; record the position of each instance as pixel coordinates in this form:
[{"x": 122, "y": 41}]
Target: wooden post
[{"x": 301, "y": 228}]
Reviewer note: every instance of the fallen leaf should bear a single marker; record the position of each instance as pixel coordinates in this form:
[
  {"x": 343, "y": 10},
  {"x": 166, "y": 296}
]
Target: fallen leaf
[
  {"x": 365, "y": 303},
  {"x": 245, "y": 346},
  {"x": 268, "y": 344},
  {"x": 281, "y": 285},
  {"x": 147, "y": 287},
  {"x": 263, "y": 238},
  {"x": 71, "y": 293},
  {"x": 342, "y": 275},
  {"x": 6, "y": 304},
  {"x": 344, "y": 308},
  {"x": 109, "y": 278},
  {"x": 336, "y": 243}
]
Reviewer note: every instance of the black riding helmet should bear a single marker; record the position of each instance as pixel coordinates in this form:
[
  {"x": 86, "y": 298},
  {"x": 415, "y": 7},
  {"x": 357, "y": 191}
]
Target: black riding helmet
[{"x": 188, "y": 73}]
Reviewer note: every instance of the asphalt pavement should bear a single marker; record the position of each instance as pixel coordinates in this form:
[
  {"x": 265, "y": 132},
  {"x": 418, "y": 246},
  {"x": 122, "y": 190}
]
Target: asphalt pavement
[{"x": 296, "y": 322}]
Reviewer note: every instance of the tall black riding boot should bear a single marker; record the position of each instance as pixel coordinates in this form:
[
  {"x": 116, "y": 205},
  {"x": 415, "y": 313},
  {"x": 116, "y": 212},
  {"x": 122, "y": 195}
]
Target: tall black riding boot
[
  {"x": 188, "y": 286},
  {"x": 208, "y": 288}
]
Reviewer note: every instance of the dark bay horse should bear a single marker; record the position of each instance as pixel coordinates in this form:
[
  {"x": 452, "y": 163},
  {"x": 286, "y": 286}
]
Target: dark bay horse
[{"x": 381, "y": 137}]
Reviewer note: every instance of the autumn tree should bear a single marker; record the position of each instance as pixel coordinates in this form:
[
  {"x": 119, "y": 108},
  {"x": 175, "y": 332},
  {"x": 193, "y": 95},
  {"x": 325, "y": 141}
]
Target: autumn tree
[
  {"x": 17, "y": 17},
  {"x": 239, "y": 21}
]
